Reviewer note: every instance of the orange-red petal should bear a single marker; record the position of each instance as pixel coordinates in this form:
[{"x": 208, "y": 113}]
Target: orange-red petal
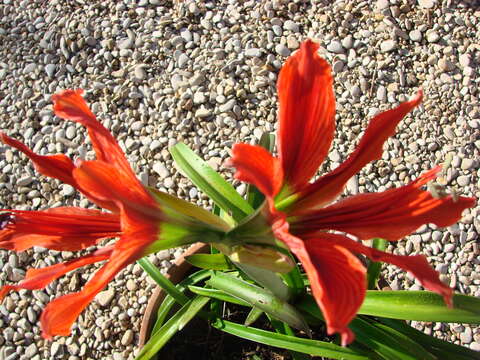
[
  {"x": 391, "y": 214},
  {"x": 57, "y": 166},
  {"x": 103, "y": 181},
  {"x": 61, "y": 229},
  {"x": 337, "y": 280},
  {"x": 257, "y": 166},
  {"x": 306, "y": 114},
  {"x": 39, "y": 278},
  {"x": 415, "y": 264},
  {"x": 370, "y": 147},
  {"x": 70, "y": 105},
  {"x": 61, "y": 313}
]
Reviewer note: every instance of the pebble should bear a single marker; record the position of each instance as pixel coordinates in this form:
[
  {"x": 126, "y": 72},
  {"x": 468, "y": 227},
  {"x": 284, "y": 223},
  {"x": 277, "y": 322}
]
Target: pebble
[
  {"x": 388, "y": 45},
  {"x": 127, "y": 338},
  {"x": 282, "y": 50},
  {"x": 104, "y": 298},
  {"x": 335, "y": 47},
  {"x": 415, "y": 35}
]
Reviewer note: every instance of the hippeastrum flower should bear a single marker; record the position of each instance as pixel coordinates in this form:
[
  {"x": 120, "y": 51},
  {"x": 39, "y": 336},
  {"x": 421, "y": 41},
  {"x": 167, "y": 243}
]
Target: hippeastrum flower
[
  {"x": 136, "y": 217},
  {"x": 302, "y": 213}
]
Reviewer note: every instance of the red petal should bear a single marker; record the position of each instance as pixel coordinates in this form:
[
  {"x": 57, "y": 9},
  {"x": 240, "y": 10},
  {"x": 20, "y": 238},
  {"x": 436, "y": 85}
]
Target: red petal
[
  {"x": 61, "y": 313},
  {"x": 40, "y": 278},
  {"x": 61, "y": 229},
  {"x": 391, "y": 214},
  {"x": 104, "y": 182},
  {"x": 416, "y": 264},
  {"x": 307, "y": 114},
  {"x": 370, "y": 147},
  {"x": 56, "y": 166},
  {"x": 70, "y": 105},
  {"x": 257, "y": 166},
  {"x": 337, "y": 280}
]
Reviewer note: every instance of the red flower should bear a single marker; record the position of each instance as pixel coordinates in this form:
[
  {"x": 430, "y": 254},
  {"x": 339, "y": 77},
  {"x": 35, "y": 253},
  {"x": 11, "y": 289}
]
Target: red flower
[
  {"x": 301, "y": 213},
  {"x": 109, "y": 182}
]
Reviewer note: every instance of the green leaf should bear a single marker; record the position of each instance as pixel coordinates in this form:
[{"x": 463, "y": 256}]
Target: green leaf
[
  {"x": 283, "y": 328},
  {"x": 268, "y": 279},
  {"x": 406, "y": 342},
  {"x": 421, "y": 306},
  {"x": 294, "y": 281},
  {"x": 307, "y": 346},
  {"x": 441, "y": 348},
  {"x": 217, "y": 294},
  {"x": 259, "y": 298},
  {"x": 210, "y": 261},
  {"x": 373, "y": 271},
  {"x": 167, "y": 304},
  {"x": 162, "y": 281},
  {"x": 380, "y": 341},
  {"x": 253, "y": 316},
  {"x": 174, "y": 324},
  {"x": 210, "y": 182},
  {"x": 366, "y": 334}
]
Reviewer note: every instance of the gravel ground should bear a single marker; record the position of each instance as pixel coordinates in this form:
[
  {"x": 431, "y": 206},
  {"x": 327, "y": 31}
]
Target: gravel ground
[{"x": 157, "y": 72}]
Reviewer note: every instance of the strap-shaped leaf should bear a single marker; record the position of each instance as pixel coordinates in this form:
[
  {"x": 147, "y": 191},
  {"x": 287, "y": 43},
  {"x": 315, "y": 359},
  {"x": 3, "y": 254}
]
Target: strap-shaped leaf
[
  {"x": 253, "y": 316},
  {"x": 421, "y": 306},
  {"x": 442, "y": 349},
  {"x": 174, "y": 324},
  {"x": 217, "y": 294},
  {"x": 168, "y": 302},
  {"x": 259, "y": 298},
  {"x": 307, "y": 346},
  {"x": 210, "y": 261},
  {"x": 210, "y": 182}
]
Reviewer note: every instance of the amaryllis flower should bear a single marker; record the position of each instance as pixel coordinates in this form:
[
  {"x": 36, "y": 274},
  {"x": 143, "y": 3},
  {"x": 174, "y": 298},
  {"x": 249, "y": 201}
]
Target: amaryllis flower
[
  {"x": 134, "y": 216},
  {"x": 302, "y": 213}
]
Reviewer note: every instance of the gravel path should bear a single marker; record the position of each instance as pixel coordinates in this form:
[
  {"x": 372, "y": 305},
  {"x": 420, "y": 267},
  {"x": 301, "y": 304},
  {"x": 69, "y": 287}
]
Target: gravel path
[{"x": 157, "y": 72}]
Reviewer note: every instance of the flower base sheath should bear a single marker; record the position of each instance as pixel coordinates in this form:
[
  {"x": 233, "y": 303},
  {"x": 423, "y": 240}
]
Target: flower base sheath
[
  {"x": 301, "y": 213},
  {"x": 134, "y": 217}
]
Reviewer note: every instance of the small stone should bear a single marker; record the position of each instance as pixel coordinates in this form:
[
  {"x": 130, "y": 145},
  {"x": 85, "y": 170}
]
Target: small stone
[
  {"x": 29, "y": 68},
  {"x": 182, "y": 61},
  {"x": 415, "y": 35},
  {"x": 127, "y": 338},
  {"x": 125, "y": 44},
  {"x": 335, "y": 47},
  {"x": 161, "y": 170},
  {"x": 68, "y": 190},
  {"x": 104, "y": 298},
  {"x": 25, "y": 180},
  {"x": 388, "y": 45},
  {"x": 337, "y": 66},
  {"x": 445, "y": 65},
  {"x": 131, "y": 285},
  {"x": 467, "y": 164},
  {"x": 203, "y": 113},
  {"x": 432, "y": 37},
  {"x": 426, "y": 4},
  {"x": 253, "y": 52},
  {"x": 382, "y": 4},
  {"x": 464, "y": 60},
  {"x": 50, "y": 70},
  {"x": 31, "y": 350},
  {"x": 463, "y": 180},
  {"x": 291, "y": 26},
  {"x": 466, "y": 336},
  {"x": 140, "y": 73},
  {"x": 282, "y": 50}
]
